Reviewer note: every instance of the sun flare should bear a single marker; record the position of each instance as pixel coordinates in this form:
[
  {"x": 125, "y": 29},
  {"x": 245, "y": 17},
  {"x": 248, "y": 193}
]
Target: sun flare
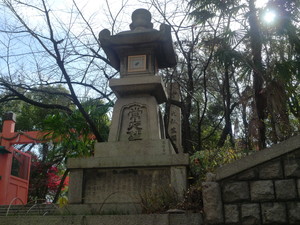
[{"x": 269, "y": 16}]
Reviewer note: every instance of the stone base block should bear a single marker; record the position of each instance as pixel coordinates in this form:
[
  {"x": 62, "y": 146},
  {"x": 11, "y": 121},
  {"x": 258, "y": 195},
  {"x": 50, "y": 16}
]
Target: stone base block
[
  {"x": 123, "y": 186},
  {"x": 120, "y": 173},
  {"x": 121, "y": 189}
]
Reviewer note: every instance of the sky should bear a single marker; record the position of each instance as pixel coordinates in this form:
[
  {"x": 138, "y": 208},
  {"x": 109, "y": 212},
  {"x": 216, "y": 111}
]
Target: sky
[
  {"x": 100, "y": 15},
  {"x": 260, "y": 3},
  {"x": 100, "y": 10}
]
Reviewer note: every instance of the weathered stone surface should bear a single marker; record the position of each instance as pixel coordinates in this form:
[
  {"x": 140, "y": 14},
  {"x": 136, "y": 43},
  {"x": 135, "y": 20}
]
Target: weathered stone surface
[
  {"x": 292, "y": 167},
  {"x": 250, "y": 214},
  {"x": 274, "y": 188},
  {"x": 178, "y": 179},
  {"x": 102, "y": 209},
  {"x": 122, "y": 185},
  {"x": 185, "y": 219},
  {"x": 212, "y": 203},
  {"x": 131, "y": 42},
  {"x": 235, "y": 191},
  {"x": 285, "y": 189},
  {"x": 247, "y": 175},
  {"x": 295, "y": 154},
  {"x": 257, "y": 158},
  {"x": 143, "y": 109},
  {"x": 123, "y": 148},
  {"x": 231, "y": 214},
  {"x": 273, "y": 213},
  {"x": 128, "y": 219},
  {"x": 139, "y": 85},
  {"x": 298, "y": 185},
  {"x": 137, "y": 158},
  {"x": 174, "y": 124},
  {"x": 153, "y": 219},
  {"x": 210, "y": 177},
  {"x": 75, "y": 188},
  {"x": 294, "y": 212},
  {"x": 262, "y": 190},
  {"x": 271, "y": 170},
  {"x": 41, "y": 220},
  {"x": 129, "y": 161}
]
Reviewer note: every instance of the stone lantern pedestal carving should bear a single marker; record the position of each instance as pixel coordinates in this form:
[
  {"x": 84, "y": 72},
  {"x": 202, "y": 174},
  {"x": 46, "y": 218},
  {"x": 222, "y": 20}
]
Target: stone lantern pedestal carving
[{"x": 137, "y": 157}]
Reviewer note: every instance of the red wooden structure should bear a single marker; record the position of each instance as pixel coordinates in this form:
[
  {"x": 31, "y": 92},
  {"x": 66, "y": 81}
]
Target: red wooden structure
[{"x": 14, "y": 164}]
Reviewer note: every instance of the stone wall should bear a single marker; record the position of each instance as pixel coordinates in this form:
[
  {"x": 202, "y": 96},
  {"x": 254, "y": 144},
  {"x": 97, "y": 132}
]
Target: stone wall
[{"x": 263, "y": 188}]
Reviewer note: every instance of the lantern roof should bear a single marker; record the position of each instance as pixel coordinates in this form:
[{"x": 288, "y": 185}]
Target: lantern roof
[{"x": 140, "y": 35}]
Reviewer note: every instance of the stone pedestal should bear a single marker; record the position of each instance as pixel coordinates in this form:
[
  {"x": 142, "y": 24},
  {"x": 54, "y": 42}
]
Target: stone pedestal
[
  {"x": 120, "y": 172},
  {"x": 137, "y": 157}
]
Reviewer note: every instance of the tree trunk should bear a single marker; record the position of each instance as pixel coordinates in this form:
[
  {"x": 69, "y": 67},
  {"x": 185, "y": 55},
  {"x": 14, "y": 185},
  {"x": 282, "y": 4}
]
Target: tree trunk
[
  {"x": 227, "y": 130},
  {"x": 258, "y": 74},
  {"x": 61, "y": 184},
  {"x": 186, "y": 130},
  {"x": 186, "y": 113}
]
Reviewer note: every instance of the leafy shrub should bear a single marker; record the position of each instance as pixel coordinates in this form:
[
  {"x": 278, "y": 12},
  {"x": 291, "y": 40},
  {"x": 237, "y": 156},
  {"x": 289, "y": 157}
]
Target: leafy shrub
[{"x": 202, "y": 162}]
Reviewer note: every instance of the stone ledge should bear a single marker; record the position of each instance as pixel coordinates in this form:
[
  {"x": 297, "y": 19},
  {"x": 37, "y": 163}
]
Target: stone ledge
[
  {"x": 144, "y": 219},
  {"x": 129, "y": 161},
  {"x": 121, "y": 148},
  {"x": 139, "y": 85},
  {"x": 257, "y": 158},
  {"x": 102, "y": 209}
]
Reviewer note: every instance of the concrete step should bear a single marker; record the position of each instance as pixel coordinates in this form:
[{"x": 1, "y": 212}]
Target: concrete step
[{"x": 36, "y": 209}]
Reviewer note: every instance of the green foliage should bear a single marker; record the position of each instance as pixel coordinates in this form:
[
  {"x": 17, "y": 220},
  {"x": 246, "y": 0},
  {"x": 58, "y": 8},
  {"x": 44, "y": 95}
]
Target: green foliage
[
  {"x": 202, "y": 162},
  {"x": 30, "y": 117},
  {"x": 73, "y": 134},
  {"x": 202, "y": 15},
  {"x": 69, "y": 134},
  {"x": 264, "y": 113},
  {"x": 18, "y": 107},
  {"x": 63, "y": 199}
]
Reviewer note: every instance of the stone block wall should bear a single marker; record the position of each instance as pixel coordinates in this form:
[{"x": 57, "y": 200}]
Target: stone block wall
[{"x": 267, "y": 192}]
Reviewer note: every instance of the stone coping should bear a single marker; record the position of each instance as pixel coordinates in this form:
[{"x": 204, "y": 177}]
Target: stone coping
[
  {"x": 132, "y": 208},
  {"x": 139, "y": 85},
  {"x": 129, "y": 161},
  {"x": 258, "y": 157},
  {"x": 124, "y": 148},
  {"x": 142, "y": 219}
]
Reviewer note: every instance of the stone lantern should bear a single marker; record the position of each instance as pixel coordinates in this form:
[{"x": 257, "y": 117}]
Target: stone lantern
[
  {"x": 137, "y": 157},
  {"x": 138, "y": 54}
]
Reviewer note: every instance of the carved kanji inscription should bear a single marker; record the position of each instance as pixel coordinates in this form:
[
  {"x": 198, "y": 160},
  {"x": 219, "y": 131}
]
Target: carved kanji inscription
[{"x": 134, "y": 122}]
